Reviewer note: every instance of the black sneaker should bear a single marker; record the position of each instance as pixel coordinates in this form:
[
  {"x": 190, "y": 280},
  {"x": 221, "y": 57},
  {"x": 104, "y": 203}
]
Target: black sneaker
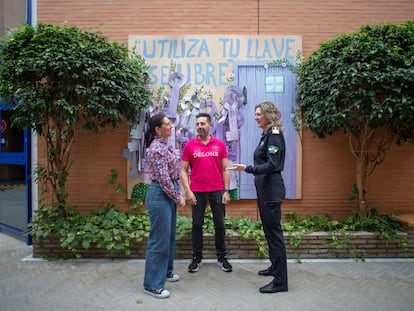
[
  {"x": 194, "y": 265},
  {"x": 158, "y": 293},
  {"x": 224, "y": 264}
]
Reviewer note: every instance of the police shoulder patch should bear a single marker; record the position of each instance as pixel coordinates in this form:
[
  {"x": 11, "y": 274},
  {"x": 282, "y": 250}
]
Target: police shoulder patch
[{"x": 272, "y": 149}]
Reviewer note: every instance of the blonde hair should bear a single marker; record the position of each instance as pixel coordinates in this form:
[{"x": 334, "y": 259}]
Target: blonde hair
[{"x": 271, "y": 113}]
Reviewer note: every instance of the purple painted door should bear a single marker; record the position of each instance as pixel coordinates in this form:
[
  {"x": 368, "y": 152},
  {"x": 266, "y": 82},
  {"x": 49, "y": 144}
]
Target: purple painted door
[{"x": 277, "y": 84}]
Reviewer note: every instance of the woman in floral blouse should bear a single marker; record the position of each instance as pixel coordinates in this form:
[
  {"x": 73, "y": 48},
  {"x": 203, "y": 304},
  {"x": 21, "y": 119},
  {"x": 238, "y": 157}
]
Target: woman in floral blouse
[{"x": 161, "y": 200}]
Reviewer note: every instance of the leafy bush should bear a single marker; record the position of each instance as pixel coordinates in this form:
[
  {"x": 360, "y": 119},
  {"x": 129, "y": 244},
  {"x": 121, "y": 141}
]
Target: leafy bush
[
  {"x": 114, "y": 230},
  {"x": 361, "y": 84},
  {"x": 62, "y": 81}
]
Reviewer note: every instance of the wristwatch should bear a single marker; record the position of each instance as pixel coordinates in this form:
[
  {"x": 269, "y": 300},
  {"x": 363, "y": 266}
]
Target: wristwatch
[{"x": 227, "y": 190}]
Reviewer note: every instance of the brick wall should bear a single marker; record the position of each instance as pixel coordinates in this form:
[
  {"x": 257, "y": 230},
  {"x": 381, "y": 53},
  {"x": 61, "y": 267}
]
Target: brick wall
[
  {"x": 328, "y": 167},
  {"x": 312, "y": 246}
]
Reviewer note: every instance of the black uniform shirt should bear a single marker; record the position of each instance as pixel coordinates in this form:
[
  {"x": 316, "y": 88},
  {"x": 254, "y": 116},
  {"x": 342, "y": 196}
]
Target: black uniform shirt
[{"x": 269, "y": 156}]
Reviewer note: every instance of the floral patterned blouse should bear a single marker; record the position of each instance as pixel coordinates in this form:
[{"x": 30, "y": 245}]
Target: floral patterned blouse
[{"x": 164, "y": 167}]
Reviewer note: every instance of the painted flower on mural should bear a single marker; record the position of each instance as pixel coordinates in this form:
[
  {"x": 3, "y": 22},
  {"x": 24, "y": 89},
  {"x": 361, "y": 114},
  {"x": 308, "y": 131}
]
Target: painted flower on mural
[
  {"x": 286, "y": 63},
  {"x": 202, "y": 93},
  {"x": 157, "y": 99},
  {"x": 296, "y": 117},
  {"x": 230, "y": 78},
  {"x": 173, "y": 65}
]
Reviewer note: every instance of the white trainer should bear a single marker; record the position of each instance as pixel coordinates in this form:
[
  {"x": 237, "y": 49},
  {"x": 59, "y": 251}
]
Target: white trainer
[{"x": 172, "y": 278}]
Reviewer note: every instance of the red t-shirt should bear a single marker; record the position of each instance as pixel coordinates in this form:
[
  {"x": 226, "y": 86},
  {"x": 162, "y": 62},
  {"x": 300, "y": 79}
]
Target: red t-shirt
[{"x": 205, "y": 163}]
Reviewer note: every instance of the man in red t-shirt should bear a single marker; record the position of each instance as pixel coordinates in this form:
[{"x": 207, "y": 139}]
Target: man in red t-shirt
[{"x": 205, "y": 179}]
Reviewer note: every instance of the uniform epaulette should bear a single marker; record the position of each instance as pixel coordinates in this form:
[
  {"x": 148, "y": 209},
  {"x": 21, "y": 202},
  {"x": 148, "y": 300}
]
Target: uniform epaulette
[{"x": 275, "y": 130}]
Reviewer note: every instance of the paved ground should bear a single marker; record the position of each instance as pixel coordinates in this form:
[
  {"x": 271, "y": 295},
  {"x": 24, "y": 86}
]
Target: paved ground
[{"x": 30, "y": 284}]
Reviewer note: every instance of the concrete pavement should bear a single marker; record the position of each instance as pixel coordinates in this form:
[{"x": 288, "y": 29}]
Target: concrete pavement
[{"x": 33, "y": 284}]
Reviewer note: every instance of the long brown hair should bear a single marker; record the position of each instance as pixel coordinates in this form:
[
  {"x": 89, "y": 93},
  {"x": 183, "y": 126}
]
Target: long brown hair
[{"x": 155, "y": 121}]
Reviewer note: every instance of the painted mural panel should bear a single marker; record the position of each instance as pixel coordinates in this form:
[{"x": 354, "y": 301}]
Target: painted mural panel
[
  {"x": 277, "y": 84},
  {"x": 226, "y": 76}
]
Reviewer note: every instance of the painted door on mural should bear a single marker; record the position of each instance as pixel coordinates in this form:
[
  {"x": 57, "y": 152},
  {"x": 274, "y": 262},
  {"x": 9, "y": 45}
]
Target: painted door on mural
[{"x": 277, "y": 84}]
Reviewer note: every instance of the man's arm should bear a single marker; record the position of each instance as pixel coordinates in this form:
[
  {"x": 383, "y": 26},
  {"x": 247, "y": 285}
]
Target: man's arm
[
  {"x": 226, "y": 180},
  {"x": 226, "y": 173}
]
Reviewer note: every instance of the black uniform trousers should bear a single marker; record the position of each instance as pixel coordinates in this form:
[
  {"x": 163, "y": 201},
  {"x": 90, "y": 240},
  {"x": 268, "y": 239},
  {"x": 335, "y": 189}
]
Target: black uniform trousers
[{"x": 270, "y": 214}]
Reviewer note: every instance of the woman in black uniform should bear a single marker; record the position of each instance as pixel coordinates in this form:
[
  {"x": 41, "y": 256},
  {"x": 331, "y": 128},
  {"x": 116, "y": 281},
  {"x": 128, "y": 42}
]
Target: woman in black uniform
[{"x": 269, "y": 159}]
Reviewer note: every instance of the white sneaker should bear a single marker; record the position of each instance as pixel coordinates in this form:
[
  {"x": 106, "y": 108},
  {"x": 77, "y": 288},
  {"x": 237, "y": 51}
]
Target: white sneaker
[
  {"x": 172, "y": 278},
  {"x": 157, "y": 293}
]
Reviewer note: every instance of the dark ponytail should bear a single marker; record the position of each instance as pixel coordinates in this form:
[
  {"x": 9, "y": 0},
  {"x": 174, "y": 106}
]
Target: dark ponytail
[{"x": 154, "y": 121}]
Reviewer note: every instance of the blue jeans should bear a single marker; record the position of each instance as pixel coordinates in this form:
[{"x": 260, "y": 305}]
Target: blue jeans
[
  {"x": 160, "y": 251},
  {"x": 218, "y": 210}
]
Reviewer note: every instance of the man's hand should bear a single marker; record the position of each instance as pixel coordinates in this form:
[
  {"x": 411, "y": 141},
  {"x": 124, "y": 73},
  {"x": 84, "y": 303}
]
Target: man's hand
[
  {"x": 191, "y": 198},
  {"x": 226, "y": 198}
]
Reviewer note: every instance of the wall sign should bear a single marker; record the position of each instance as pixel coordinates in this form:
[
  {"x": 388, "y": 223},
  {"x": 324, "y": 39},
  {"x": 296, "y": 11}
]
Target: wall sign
[
  {"x": 3, "y": 125},
  {"x": 208, "y": 59}
]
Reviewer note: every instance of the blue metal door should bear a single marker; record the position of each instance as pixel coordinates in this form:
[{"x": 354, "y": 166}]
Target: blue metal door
[
  {"x": 15, "y": 211},
  {"x": 15, "y": 161}
]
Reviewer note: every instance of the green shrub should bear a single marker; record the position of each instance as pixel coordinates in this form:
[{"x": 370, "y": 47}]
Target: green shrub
[{"x": 114, "y": 230}]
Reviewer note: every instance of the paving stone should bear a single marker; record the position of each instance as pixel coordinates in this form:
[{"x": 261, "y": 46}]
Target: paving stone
[{"x": 33, "y": 284}]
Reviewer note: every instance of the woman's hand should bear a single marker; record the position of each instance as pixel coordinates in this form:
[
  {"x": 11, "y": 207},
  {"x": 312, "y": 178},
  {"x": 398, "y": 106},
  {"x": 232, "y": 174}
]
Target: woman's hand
[
  {"x": 182, "y": 202},
  {"x": 237, "y": 167}
]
